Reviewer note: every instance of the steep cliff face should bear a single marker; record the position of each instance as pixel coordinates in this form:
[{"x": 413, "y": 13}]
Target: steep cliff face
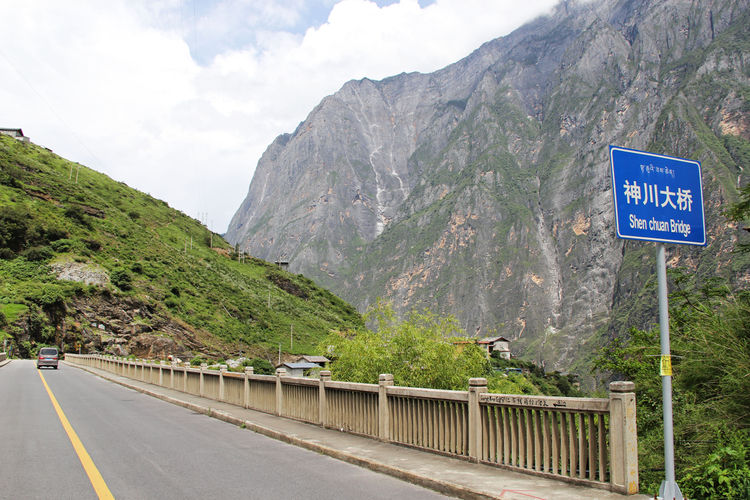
[{"x": 483, "y": 189}]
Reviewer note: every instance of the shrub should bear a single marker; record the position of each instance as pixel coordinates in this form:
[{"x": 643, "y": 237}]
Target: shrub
[
  {"x": 122, "y": 279},
  {"x": 75, "y": 213},
  {"x": 63, "y": 245},
  {"x": 260, "y": 366},
  {"x": 13, "y": 228},
  {"x": 198, "y": 360},
  {"x": 723, "y": 474},
  {"x": 38, "y": 253},
  {"x": 92, "y": 245}
]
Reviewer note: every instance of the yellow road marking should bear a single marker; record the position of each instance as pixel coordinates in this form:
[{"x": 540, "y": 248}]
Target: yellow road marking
[{"x": 88, "y": 465}]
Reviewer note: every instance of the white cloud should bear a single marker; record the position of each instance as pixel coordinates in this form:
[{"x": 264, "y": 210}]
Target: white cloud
[{"x": 113, "y": 84}]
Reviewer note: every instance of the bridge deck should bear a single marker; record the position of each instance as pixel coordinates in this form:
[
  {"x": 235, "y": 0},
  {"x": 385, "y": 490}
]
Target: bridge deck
[{"x": 450, "y": 476}]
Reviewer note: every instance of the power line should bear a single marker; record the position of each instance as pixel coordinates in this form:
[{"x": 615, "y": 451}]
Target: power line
[{"x": 52, "y": 110}]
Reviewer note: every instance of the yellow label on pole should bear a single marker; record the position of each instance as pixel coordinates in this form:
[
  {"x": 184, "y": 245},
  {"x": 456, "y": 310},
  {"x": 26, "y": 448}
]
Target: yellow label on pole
[{"x": 666, "y": 365}]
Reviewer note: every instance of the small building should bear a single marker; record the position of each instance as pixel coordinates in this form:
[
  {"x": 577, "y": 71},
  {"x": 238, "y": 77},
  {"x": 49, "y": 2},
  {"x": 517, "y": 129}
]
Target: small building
[
  {"x": 283, "y": 264},
  {"x": 16, "y": 133},
  {"x": 298, "y": 369},
  {"x": 495, "y": 344},
  {"x": 318, "y": 360}
]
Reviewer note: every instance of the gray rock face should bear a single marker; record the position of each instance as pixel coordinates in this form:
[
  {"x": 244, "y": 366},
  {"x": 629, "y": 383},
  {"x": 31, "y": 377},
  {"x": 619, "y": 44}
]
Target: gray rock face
[{"x": 483, "y": 189}]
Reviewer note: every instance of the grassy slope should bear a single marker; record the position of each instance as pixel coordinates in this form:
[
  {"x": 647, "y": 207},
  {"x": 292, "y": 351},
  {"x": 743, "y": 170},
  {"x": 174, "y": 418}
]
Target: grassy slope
[{"x": 161, "y": 252}]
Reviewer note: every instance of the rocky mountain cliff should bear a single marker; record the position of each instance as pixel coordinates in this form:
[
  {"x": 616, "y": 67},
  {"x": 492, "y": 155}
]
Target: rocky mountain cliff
[{"x": 483, "y": 189}]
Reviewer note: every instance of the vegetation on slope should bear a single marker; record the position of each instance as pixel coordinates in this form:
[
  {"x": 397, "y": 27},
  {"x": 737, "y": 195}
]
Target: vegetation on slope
[
  {"x": 156, "y": 272},
  {"x": 427, "y": 350}
]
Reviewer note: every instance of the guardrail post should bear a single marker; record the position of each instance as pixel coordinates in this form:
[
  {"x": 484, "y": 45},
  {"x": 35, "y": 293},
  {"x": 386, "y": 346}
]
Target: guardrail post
[
  {"x": 280, "y": 372},
  {"x": 171, "y": 374},
  {"x": 623, "y": 438},
  {"x": 476, "y": 386},
  {"x": 325, "y": 376},
  {"x": 200, "y": 384},
  {"x": 249, "y": 370},
  {"x": 385, "y": 380},
  {"x": 161, "y": 373},
  {"x": 222, "y": 371}
]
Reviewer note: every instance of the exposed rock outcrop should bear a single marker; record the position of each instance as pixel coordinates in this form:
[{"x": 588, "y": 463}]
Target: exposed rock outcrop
[{"x": 483, "y": 189}]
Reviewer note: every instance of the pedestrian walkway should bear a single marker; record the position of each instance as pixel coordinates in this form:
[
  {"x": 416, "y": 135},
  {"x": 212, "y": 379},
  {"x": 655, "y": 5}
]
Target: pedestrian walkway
[{"x": 451, "y": 476}]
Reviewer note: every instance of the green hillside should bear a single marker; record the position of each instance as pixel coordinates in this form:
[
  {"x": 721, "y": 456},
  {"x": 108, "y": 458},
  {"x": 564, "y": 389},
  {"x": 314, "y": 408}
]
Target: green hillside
[{"x": 85, "y": 260}]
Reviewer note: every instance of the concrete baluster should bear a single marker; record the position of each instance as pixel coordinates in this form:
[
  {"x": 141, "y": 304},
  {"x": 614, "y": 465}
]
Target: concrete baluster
[
  {"x": 185, "y": 376},
  {"x": 280, "y": 372},
  {"x": 623, "y": 438},
  {"x": 476, "y": 387},
  {"x": 222, "y": 371},
  {"x": 200, "y": 384},
  {"x": 325, "y": 376},
  {"x": 385, "y": 380},
  {"x": 249, "y": 370}
]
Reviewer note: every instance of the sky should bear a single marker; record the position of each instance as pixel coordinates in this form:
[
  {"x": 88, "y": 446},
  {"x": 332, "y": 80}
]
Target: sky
[{"x": 180, "y": 98}]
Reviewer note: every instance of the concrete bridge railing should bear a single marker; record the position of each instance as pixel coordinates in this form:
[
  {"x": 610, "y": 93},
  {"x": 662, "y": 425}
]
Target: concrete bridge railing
[{"x": 589, "y": 441}]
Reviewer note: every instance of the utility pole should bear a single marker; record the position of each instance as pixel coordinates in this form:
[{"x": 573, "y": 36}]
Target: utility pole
[{"x": 291, "y": 337}]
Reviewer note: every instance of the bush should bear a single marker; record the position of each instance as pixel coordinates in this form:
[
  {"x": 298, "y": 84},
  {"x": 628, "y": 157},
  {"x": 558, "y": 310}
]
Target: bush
[
  {"x": 75, "y": 213},
  {"x": 37, "y": 253},
  {"x": 723, "y": 474},
  {"x": 93, "y": 245},
  {"x": 260, "y": 366},
  {"x": 13, "y": 228},
  {"x": 198, "y": 360},
  {"x": 63, "y": 245},
  {"x": 122, "y": 279}
]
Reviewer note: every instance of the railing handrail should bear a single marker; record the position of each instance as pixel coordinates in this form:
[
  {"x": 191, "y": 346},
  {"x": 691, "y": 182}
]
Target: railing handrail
[{"x": 593, "y": 405}]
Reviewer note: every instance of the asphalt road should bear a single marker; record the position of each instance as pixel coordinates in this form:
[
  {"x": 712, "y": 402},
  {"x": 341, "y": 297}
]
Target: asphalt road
[{"x": 146, "y": 448}]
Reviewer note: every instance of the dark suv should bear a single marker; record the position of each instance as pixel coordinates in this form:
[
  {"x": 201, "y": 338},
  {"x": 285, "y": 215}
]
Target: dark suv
[{"x": 48, "y": 356}]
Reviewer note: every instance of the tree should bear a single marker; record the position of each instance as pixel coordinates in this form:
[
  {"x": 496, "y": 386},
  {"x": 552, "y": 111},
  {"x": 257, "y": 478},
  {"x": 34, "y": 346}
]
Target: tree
[
  {"x": 710, "y": 343},
  {"x": 417, "y": 351}
]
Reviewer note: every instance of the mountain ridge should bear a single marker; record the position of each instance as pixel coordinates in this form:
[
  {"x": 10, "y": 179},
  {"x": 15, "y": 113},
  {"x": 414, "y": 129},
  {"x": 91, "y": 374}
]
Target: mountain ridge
[{"x": 482, "y": 190}]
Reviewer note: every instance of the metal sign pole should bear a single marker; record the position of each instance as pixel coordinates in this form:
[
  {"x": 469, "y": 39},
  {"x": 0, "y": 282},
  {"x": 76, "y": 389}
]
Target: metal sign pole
[
  {"x": 669, "y": 489},
  {"x": 659, "y": 198}
]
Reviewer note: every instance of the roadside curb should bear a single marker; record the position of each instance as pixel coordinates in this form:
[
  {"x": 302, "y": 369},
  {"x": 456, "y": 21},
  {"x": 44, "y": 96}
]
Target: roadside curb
[
  {"x": 411, "y": 477},
  {"x": 5, "y": 362}
]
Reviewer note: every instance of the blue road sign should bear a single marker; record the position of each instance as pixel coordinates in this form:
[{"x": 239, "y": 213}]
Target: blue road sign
[{"x": 657, "y": 197}]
